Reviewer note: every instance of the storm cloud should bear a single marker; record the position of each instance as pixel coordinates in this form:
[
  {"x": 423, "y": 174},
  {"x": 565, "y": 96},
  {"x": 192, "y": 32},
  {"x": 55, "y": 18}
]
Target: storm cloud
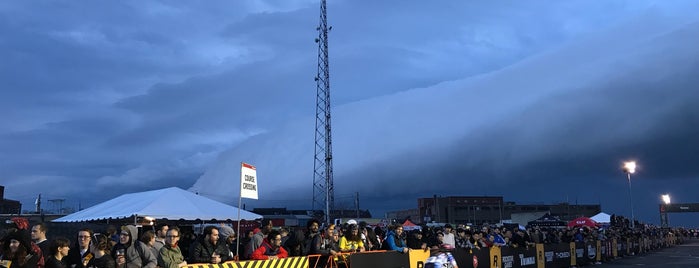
[{"x": 538, "y": 101}]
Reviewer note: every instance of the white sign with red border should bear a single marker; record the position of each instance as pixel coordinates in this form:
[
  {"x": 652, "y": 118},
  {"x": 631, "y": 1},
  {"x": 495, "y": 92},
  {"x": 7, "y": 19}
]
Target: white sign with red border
[{"x": 248, "y": 181}]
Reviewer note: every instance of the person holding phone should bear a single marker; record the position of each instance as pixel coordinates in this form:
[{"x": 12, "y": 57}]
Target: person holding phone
[{"x": 131, "y": 253}]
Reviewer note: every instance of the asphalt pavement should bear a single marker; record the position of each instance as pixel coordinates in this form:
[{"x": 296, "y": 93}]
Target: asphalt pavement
[{"x": 685, "y": 255}]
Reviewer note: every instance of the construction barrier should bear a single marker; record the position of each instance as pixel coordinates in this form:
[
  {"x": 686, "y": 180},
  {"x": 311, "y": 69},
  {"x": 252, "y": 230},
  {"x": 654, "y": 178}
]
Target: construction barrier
[
  {"x": 292, "y": 262},
  {"x": 539, "y": 256},
  {"x": 417, "y": 258}
]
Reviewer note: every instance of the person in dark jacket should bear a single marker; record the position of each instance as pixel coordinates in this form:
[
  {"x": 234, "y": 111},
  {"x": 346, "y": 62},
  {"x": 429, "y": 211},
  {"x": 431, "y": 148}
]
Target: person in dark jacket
[
  {"x": 57, "y": 251},
  {"x": 415, "y": 240},
  {"x": 311, "y": 232},
  {"x": 79, "y": 255},
  {"x": 131, "y": 253},
  {"x": 17, "y": 248},
  {"x": 325, "y": 246},
  {"x": 101, "y": 248},
  {"x": 209, "y": 249},
  {"x": 39, "y": 238}
]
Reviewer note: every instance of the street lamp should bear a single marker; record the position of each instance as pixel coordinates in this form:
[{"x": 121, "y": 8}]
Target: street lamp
[
  {"x": 663, "y": 211},
  {"x": 630, "y": 168},
  {"x": 666, "y": 199}
]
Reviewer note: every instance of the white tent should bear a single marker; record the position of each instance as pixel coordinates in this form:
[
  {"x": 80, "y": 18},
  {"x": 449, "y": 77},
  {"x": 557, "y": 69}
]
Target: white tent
[
  {"x": 602, "y": 217},
  {"x": 171, "y": 203}
]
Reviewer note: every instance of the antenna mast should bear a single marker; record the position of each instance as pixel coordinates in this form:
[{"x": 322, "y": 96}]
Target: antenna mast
[{"x": 323, "y": 192}]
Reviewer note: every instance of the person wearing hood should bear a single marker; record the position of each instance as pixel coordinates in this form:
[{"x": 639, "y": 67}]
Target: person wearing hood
[
  {"x": 170, "y": 255},
  {"x": 227, "y": 235},
  {"x": 17, "y": 248},
  {"x": 131, "y": 253}
]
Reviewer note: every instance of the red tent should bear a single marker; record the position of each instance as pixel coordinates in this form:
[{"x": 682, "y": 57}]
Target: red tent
[
  {"x": 409, "y": 226},
  {"x": 582, "y": 221}
]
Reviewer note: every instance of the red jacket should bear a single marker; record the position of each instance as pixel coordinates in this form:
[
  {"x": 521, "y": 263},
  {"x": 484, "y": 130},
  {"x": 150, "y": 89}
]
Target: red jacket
[{"x": 266, "y": 250}]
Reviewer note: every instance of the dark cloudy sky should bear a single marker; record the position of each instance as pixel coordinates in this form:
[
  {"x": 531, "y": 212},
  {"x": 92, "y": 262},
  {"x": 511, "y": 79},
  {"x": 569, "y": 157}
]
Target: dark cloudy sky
[{"x": 537, "y": 101}]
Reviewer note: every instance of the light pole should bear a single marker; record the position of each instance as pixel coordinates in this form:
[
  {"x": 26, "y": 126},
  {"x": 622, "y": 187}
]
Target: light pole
[
  {"x": 663, "y": 210},
  {"x": 630, "y": 168}
]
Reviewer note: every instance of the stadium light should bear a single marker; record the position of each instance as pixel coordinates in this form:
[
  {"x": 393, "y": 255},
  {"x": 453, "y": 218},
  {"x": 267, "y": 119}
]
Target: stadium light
[{"x": 630, "y": 168}]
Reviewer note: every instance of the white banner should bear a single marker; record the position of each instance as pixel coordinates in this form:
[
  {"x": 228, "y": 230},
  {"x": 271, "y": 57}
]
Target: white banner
[{"x": 248, "y": 181}]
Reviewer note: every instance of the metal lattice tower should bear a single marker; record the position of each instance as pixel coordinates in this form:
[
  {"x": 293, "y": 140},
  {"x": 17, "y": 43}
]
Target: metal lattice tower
[{"x": 323, "y": 192}]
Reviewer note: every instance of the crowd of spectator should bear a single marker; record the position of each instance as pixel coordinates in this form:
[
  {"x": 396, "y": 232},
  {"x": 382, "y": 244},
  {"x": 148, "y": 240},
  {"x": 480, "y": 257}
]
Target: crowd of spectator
[{"x": 166, "y": 246}]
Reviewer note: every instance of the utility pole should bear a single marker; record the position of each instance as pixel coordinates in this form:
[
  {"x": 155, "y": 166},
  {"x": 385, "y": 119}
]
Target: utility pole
[
  {"x": 356, "y": 204},
  {"x": 323, "y": 189}
]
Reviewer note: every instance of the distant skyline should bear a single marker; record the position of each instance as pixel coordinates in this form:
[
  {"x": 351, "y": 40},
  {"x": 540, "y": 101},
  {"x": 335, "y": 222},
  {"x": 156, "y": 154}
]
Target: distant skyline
[{"x": 536, "y": 101}]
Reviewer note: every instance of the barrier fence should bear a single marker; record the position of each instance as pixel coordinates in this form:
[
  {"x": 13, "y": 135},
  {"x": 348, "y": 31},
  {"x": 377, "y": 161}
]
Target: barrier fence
[{"x": 539, "y": 256}]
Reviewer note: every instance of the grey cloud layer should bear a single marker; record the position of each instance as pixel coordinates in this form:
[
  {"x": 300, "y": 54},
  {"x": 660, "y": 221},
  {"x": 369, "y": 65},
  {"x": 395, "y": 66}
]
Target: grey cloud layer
[{"x": 126, "y": 96}]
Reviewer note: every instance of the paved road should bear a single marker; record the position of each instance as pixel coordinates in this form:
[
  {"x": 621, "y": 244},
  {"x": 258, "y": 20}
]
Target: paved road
[{"x": 686, "y": 255}]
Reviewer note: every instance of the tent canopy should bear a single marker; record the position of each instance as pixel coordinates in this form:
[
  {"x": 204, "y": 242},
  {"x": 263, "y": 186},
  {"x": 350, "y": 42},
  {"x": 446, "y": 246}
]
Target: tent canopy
[
  {"x": 602, "y": 218},
  {"x": 409, "y": 226},
  {"x": 547, "y": 221},
  {"x": 171, "y": 203},
  {"x": 582, "y": 221}
]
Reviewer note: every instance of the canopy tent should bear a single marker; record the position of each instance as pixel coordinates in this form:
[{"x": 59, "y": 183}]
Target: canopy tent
[
  {"x": 547, "y": 221},
  {"x": 602, "y": 218},
  {"x": 582, "y": 221},
  {"x": 409, "y": 226},
  {"x": 171, "y": 203}
]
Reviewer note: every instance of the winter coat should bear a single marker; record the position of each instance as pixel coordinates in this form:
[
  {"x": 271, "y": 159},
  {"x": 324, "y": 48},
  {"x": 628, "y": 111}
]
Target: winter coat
[
  {"x": 170, "y": 257},
  {"x": 203, "y": 250},
  {"x": 137, "y": 254}
]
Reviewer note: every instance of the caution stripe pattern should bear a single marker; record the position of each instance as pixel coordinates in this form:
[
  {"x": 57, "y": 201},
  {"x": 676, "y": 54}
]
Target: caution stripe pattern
[{"x": 292, "y": 262}]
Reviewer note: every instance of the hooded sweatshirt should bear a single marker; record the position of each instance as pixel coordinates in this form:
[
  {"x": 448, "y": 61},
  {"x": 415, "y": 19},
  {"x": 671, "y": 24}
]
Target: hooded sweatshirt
[{"x": 137, "y": 254}]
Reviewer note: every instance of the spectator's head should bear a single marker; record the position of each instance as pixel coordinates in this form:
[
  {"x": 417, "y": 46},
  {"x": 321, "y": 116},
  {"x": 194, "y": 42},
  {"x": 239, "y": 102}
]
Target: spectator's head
[
  {"x": 336, "y": 235},
  {"x": 39, "y": 232},
  {"x": 312, "y": 225},
  {"x": 226, "y": 231},
  {"x": 418, "y": 234},
  {"x": 274, "y": 239},
  {"x": 102, "y": 243},
  {"x": 161, "y": 230},
  {"x": 59, "y": 245},
  {"x": 398, "y": 229},
  {"x": 266, "y": 226},
  {"x": 173, "y": 236},
  {"x": 447, "y": 228},
  {"x": 362, "y": 225},
  {"x": 84, "y": 238},
  {"x": 148, "y": 238},
  {"x": 330, "y": 230},
  {"x": 211, "y": 234}
]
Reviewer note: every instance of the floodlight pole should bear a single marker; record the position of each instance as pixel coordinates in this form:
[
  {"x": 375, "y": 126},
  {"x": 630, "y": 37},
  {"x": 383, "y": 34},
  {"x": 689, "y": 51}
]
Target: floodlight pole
[{"x": 628, "y": 174}]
